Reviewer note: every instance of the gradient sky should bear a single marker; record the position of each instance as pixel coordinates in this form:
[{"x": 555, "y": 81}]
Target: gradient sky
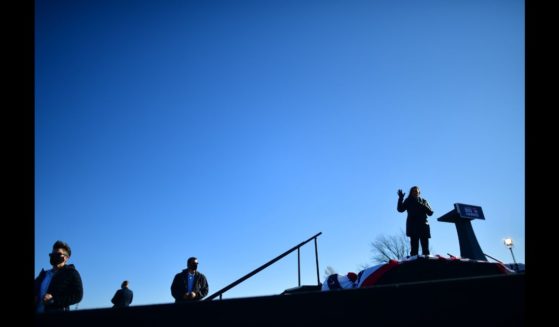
[{"x": 234, "y": 130}]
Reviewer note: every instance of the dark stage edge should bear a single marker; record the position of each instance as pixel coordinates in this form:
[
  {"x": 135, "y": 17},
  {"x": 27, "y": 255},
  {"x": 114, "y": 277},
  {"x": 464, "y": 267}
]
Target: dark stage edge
[{"x": 473, "y": 301}]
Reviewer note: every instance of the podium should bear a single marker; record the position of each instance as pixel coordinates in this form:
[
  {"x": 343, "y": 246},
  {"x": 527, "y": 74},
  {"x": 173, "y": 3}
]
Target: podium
[{"x": 461, "y": 216}]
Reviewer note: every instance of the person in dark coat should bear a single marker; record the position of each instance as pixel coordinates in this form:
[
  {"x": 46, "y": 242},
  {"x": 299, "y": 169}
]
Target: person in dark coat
[
  {"x": 58, "y": 288},
  {"x": 123, "y": 296},
  {"x": 417, "y": 226},
  {"x": 189, "y": 284}
]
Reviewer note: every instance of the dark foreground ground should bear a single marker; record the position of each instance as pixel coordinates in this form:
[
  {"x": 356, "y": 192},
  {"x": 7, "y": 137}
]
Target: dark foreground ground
[{"x": 474, "y": 301}]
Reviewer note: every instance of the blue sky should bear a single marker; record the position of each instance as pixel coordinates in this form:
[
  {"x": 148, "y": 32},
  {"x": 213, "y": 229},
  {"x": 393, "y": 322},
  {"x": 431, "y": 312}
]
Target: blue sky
[{"x": 234, "y": 130}]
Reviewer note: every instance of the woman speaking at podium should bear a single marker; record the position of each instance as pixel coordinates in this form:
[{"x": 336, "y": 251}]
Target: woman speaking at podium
[{"x": 417, "y": 226}]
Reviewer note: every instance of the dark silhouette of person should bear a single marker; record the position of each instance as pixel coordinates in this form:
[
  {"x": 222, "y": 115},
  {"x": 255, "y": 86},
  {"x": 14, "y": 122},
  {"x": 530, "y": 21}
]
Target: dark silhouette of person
[
  {"x": 189, "y": 284},
  {"x": 123, "y": 296},
  {"x": 58, "y": 288},
  {"x": 417, "y": 226}
]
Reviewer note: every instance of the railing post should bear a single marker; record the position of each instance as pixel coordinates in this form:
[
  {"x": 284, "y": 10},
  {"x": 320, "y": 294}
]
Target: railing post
[
  {"x": 299, "y": 265},
  {"x": 316, "y": 256}
]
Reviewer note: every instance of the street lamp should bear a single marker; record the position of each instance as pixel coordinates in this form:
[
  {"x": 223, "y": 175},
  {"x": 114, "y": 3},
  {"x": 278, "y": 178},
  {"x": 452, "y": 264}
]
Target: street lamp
[{"x": 509, "y": 244}]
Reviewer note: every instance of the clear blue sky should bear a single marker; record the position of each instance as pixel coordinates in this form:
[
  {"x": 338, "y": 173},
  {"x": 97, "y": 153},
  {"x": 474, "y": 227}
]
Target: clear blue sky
[{"x": 233, "y": 130}]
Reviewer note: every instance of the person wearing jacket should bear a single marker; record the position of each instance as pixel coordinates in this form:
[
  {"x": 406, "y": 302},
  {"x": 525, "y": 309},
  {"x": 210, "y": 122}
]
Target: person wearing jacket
[
  {"x": 417, "y": 226},
  {"x": 189, "y": 284},
  {"x": 58, "y": 288},
  {"x": 123, "y": 296}
]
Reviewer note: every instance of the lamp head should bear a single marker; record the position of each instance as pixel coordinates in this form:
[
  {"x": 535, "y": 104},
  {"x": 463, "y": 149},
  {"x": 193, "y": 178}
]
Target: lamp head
[{"x": 508, "y": 242}]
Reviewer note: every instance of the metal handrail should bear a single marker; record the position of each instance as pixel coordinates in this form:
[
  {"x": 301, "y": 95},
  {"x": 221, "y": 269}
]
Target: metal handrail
[
  {"x": 499, "y": 261},
  {"x": 255, "y": 271}
]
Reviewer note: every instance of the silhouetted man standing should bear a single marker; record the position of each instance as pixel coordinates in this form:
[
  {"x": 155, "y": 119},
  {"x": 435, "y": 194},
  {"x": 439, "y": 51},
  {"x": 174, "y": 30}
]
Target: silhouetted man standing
[
  {"x": 123, "y": 297},
  {"x": 189, "y": 284},
  {"x": 58, "y": 288}
]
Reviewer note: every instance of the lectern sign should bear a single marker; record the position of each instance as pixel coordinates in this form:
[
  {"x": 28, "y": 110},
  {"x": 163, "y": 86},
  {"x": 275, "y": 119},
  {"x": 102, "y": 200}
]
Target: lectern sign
[
  {"x": 469, "y": 211},
  {"x": 461, "y": 216}
]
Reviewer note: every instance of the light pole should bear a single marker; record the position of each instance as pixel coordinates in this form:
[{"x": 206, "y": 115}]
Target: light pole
[{"x": 509, "y": 244}]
